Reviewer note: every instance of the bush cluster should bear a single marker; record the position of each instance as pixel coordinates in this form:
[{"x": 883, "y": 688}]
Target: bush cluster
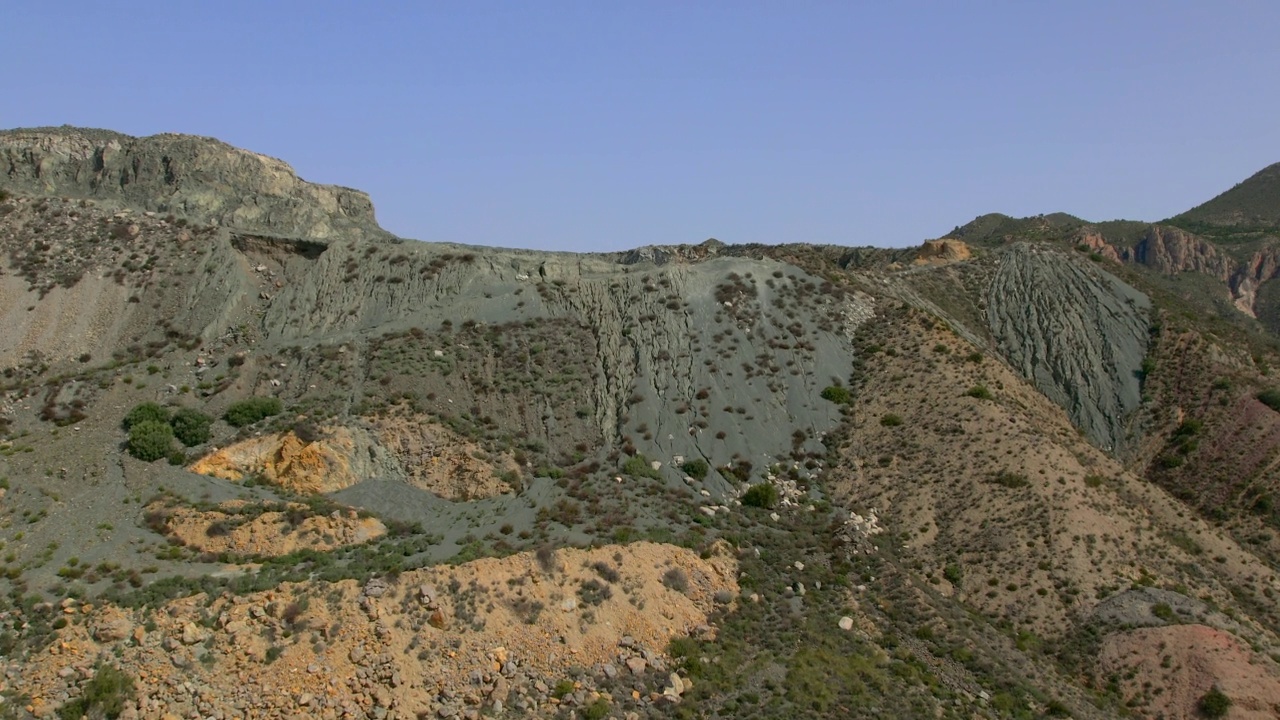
[
  {"x": 251, "y": 410},
  {"x": 150, "y": 440},
  {"x": 152, "y": 430}
]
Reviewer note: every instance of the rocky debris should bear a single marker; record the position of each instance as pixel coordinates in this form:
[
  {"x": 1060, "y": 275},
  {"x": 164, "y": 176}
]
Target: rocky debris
[
  {"x": 1077, "y": 333},
  {"x": 199, "y": 178},
  {"x": 248, "y": 529},
  {"x": 231, "y": 655},
  {"x": 112, "y": 625},
  {"x": 937, "y": 252},
  {"x": 440, "y": 461},
  {"x": 856, "y": 533}
]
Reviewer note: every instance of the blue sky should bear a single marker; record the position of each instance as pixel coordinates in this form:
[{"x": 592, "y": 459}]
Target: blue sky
[{"x": 606, "y": 125}]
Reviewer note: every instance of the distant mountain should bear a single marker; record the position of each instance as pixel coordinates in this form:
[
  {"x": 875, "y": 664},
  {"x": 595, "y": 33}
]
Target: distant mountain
[{"x": 1250, "y": 206}]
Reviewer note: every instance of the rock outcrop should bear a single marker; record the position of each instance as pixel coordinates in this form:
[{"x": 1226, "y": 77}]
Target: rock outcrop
[
  {"x": 198, "y": 178},
  {"x": 1170, "y": 250},
  {"x": 1077, "y": 333},
  {"x": 942, "y": 251},
  {"x": 342, "y": 458}
]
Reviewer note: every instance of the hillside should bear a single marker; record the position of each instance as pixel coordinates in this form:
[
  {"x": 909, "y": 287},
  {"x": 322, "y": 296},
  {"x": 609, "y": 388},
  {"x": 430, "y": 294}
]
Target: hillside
[
  {"x": 1250, "y": 206},
  {"x": 261, "y": 458}
]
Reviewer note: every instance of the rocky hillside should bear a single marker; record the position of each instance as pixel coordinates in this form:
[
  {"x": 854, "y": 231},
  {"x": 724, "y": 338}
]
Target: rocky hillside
[
  {"x": 200, "y": 179},
  {"x": 258, "y": 457}
]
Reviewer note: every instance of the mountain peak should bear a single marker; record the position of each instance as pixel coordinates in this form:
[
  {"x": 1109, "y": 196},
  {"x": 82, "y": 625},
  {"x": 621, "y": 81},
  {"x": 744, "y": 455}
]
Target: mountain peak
[{"x": 1253, "y": 204}]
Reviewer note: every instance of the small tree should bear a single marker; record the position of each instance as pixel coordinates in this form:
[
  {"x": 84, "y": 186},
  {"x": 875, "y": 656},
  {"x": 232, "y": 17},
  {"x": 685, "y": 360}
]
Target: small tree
[
  {"x": 1214, "y": 704},
  {"x": 762, "y": 495},
  {"x": 150, "y": 440},
  {"x": 146, "y": 412},
  {"x": 697, "y": 468},
  {"x": 191, "y": 427}
]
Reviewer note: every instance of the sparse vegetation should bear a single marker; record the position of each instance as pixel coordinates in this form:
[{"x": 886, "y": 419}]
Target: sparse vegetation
[{"x": 104, "y": 696}]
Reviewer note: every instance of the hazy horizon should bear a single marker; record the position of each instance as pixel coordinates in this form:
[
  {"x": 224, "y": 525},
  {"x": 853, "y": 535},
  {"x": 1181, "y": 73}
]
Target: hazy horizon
[{"x": 577, "y": 126}]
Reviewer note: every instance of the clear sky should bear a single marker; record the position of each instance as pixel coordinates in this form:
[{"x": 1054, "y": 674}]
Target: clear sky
[{"x": 600, "y": 125}]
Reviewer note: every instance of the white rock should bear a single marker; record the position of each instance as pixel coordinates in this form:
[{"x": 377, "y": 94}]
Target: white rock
[{"x": 846, "y": 623}]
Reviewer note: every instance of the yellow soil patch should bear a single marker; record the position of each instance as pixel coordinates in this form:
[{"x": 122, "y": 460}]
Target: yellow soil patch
[{"x": 286, "y": 460}]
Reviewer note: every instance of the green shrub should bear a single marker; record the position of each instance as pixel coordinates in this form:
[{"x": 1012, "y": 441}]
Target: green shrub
[
  {"x": 696, "y": 469},
  {"x": 1057, "y": 708},
  {"x": 562, "y": 688},
  {"x": 1148, "y": 367},
  {"x": 1010, "y": 479},
  {"x": 891, "y": 420},
  {"x": 638, "y": 466},
  {"x": 251, "y": 410},
  {"x": 104, "y": 696},
  {"x": 150, "y": 440},
  {"x": 1214, "y": 704},
  {"x": 761, "y": 495},
  {"x": 1163, "y": 611},
  {"x": 979, "y": 391},
  {"x": 191, "y": 427},
  {"x": 837, "y": 395},
  {"x": 146, "y": 412},
  {"x": 598, "y": 710},
  {"x": 952, "y": 573},
  {"x": 1271, "y": 398},
  {"x": 1188, "y": 428}
]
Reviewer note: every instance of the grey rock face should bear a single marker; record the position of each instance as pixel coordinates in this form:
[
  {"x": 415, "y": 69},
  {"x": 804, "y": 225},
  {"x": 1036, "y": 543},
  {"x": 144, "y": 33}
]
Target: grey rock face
[
  {"x": 1076, "y": 332},
  {"x": 198, "y": 178}
]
